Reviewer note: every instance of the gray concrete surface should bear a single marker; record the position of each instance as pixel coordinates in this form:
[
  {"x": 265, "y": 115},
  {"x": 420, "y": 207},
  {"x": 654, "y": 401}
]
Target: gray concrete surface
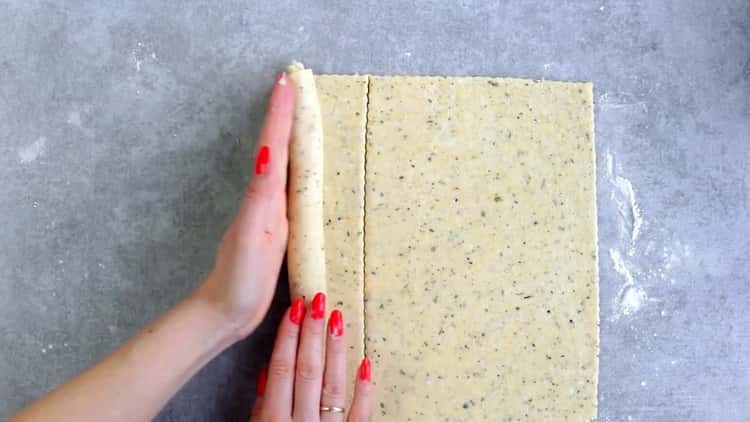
[{"x": 126, "y": 130}]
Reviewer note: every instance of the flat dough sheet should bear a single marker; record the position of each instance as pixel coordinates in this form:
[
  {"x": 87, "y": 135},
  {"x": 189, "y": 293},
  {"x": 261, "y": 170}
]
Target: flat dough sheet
[
  {"x": 343, "y": 101},
  {"x": 480, "y": 267}
]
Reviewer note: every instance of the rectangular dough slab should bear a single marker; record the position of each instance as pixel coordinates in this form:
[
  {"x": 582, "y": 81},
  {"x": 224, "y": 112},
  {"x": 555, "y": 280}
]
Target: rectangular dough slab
[
  {"x": 480, "y": 249},
  {"x": 343, "y": 102}
]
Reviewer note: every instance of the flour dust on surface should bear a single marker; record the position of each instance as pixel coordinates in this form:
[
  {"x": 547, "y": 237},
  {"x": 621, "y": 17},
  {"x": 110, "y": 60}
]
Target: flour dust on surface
[{"x": 628, "y": 255}]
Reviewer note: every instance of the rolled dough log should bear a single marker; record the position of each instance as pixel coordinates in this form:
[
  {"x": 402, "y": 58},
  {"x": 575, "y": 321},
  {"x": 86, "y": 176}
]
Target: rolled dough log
[{"x": 306, "y": 249}]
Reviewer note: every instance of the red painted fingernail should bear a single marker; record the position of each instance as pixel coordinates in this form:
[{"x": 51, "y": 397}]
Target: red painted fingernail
[
  {"x": 297, "y": 312},
  {"x": 260, "y": 388},
  {"x": 263, "y": 159},
  {"x": 336, "y": 323},
  {"x": 281, "y": 78},
  {"x": 365, "y": 370},
  {"x": 318, "y": 305}
]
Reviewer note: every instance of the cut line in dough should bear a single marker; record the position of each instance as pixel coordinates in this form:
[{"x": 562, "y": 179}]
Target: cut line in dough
[
  {"x": 343, "y": 103},
  {"x": 479, "y": 243}
]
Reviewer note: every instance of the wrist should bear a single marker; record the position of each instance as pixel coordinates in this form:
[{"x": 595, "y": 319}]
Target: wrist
[{"x": 224, "y": 329}]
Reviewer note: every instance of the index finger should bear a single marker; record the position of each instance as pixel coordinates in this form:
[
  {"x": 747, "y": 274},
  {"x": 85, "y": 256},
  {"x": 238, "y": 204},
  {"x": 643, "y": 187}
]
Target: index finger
[{"x": 272, "y": 151}]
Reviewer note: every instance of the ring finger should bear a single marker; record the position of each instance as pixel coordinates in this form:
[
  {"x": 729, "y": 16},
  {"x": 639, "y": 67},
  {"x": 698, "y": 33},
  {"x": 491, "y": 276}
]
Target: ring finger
[{"x": 334, "y": 379}]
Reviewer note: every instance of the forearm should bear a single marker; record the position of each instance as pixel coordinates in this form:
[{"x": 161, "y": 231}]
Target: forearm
[{"x": 138, "y": 378}]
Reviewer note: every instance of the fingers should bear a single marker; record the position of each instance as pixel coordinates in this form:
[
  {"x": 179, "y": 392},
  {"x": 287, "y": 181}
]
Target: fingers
[
  {"x": 297, "y": 371},
  {"x": 265, "y": 196},
  {"x": 260, "y": 390},
  {"x": 334, "y": 378},
  {"x": 309, "y": 373},
  {"x": 362, "y": 401},
  {"x": 272, "y": 152},
  {"x": 280, "y": 383}
]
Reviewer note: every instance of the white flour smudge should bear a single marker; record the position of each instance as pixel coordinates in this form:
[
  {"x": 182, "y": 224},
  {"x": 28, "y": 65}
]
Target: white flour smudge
[
  {"x": 624, "y": 196},
  {"x": 631, "y": 297},
  {"x": 619, "y": 265},
  {"x": 632, "y": 300},
  {"x": 33, "y": 151},
  {"x": 642, "y": 268},
  {"x": 624, "y": 103},
  {"x": 626, "y": 188},
  {"x": 140, "y": 54},
  {"x": 138, "y": 63},
  {"x": 676, "y": 255},
  {"x": 74, "y": 118},
  {"x": 672, "y": 257}
]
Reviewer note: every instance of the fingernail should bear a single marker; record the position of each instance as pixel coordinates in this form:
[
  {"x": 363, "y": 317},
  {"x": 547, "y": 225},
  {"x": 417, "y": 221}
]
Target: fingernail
[
  {"x": 297, "y": 312},
  {"x": 260, "y": 388},
  {"x": 336, "y": 324},
  {"x": 318, "y": 306},
  {"x": 365, "y": 370},
  {"x": 263, "y": 159},
  {"x": 281, "y": 78}
]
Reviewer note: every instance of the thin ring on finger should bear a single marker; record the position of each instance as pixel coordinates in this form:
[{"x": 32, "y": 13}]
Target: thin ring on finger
[
  {"x": 333, "y": 394},
  {"x": 308, "y": 379},
  {"x": 332, "y": 409}
]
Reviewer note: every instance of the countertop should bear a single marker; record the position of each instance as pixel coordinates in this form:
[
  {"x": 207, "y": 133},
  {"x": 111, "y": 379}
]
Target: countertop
[{"x": 126, "y": 131}]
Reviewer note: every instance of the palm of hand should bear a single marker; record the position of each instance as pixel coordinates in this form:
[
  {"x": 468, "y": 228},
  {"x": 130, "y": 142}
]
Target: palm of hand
[
  {"x": 247, "y": 266},
  {"x": 248, "y": 263}
]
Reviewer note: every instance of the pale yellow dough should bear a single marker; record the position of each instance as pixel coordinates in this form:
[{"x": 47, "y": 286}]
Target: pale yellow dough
[
  {"x": 343, "y": 101},
  {"x": 480, "y": 273},
  {"x": 480, "y": 249}
]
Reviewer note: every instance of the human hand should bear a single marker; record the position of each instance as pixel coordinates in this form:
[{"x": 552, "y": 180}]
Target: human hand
[
  {"x": 250, "y": 254},
  {"x": 301, "y": 384}
]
